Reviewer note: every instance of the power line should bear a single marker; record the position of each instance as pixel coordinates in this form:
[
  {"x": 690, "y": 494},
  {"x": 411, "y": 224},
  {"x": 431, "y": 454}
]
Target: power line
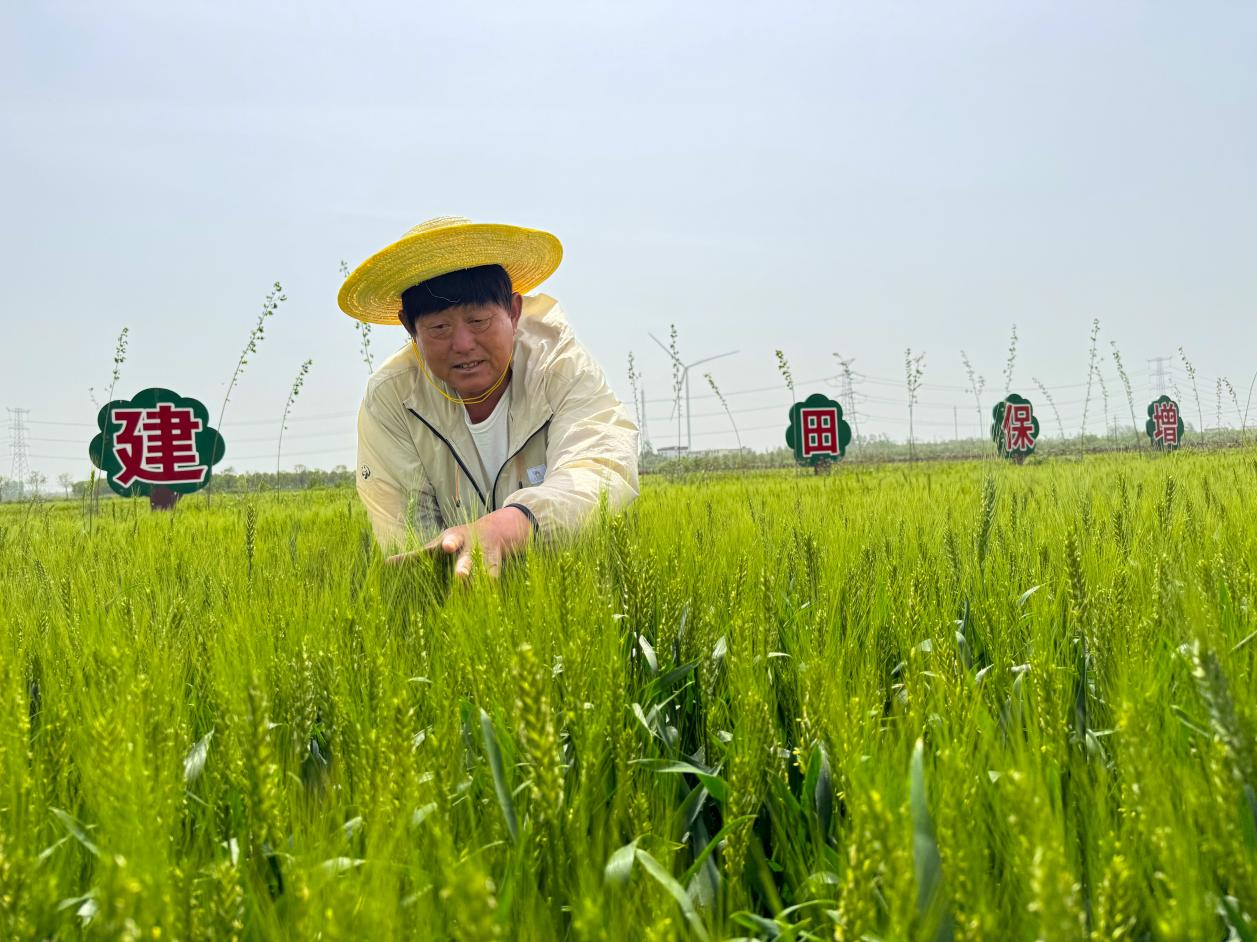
[
  {"x": 228, "y": 458},
  {"x": 776, "y": 387},
  {"x": 233, "y": 440},
  {"x": 301, "y": 418}
]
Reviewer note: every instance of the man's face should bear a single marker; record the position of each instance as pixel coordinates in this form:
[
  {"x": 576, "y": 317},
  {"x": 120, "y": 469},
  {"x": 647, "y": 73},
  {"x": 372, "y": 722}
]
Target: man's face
[{"x": 469, "y": 346}]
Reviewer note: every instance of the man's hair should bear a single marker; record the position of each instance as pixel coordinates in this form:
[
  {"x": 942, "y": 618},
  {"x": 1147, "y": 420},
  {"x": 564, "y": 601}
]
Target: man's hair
[{"x": 485, "y": 284}]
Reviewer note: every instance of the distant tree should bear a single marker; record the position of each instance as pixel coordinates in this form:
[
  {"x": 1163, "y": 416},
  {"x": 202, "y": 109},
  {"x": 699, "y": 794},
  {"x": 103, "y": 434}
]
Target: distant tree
[
  {"x": 66, "y": 480},
  {"x": 37, "y": 479}
]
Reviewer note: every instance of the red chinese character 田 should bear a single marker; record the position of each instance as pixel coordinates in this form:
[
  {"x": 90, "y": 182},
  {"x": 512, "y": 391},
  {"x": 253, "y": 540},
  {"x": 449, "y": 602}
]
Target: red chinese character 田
[{"x": 820, "y": 431}]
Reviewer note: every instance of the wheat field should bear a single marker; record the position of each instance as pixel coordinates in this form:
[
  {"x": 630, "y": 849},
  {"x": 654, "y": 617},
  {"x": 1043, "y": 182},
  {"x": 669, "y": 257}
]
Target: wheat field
[{"x": 937, "y": 701}]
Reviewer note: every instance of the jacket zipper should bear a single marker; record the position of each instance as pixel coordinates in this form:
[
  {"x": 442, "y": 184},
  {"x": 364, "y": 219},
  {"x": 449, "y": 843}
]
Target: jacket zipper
[
  {"x": 511, "y": 457},
  {"x": 447, "y": 444}
]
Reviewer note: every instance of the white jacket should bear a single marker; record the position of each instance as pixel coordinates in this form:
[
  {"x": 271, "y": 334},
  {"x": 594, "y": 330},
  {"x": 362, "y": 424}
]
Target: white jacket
[{"x": 569, "y": 440}]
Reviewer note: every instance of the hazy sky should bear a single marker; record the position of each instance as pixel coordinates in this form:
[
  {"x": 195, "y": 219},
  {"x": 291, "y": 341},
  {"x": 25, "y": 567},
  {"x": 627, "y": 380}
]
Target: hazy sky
[{"x": 813, "y": 177}]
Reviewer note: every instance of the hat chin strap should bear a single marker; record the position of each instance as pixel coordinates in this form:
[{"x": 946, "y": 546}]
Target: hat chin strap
[{"x": 472, "y": 400}]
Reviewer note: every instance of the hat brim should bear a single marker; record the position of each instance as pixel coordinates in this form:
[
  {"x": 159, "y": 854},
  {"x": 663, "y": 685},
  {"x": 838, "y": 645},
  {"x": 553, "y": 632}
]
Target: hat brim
[{"x": 372, "y": 292}]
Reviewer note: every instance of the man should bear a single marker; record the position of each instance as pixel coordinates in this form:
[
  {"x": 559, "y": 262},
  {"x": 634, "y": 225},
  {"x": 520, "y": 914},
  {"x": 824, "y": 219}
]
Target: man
[{"x": 493, "y": 425}]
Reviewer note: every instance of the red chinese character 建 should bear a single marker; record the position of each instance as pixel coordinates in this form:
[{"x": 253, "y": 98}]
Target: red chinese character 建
[{"x": 157, "y": 446}]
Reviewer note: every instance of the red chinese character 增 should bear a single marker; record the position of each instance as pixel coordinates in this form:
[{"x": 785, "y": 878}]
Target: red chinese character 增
[{"x": 1165, "y": 419}]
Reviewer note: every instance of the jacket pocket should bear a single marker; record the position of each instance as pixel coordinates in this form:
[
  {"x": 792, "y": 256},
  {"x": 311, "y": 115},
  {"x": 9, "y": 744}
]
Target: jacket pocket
[{"x": 526, "y": 468}]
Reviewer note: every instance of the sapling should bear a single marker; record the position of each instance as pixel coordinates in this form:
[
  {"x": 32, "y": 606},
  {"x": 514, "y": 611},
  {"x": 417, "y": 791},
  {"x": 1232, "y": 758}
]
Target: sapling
[
  {"x": 1191, "y": 374},
  {"x": 1012, "y": 361},
  {"x": 1217, "y": 388},
  {"x": 119, "y": 357},
  {"x": 363, "y": 328},
  {"x": 1130, "y": 396},
  {"x": 1104, "y": 395},
  {"x": 1235, "y": 401},
  {"x": 1247, "y": 402},
  {"x": 292, "y": 395},
  {"x": 1091, "y": 372},
  {"x": 716, "y": 389},
  {"x": 783, "y": 368},
  {"x": 678, "y": 379},
  {"x": 269, "y": 305},
  {"x": 1052, "y": 403},
  {"x": 914, "y": 369},
  {"x": 976, "y": 385},
  {"x": 633, "y": 377}
]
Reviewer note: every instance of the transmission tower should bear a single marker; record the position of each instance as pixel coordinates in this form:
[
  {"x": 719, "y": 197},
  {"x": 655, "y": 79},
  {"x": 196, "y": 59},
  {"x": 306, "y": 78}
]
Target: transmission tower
[
  {"x": 1160, "y": 376},
  {"x": 848, "y": 395},
  {"x": 17, "y": 445}
]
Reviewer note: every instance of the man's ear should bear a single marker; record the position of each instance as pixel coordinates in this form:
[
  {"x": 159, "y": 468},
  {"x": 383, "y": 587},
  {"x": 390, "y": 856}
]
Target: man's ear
[{"x": 517, "y": 308}]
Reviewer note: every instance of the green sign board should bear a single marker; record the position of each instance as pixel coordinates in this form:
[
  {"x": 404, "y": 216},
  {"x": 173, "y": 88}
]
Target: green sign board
[
  {"x": 817, "y": 432},
  {"x": 1015, "y": 429},
  {"x": 156, "y": 440},
  {"x": 1165, "y": 424}
]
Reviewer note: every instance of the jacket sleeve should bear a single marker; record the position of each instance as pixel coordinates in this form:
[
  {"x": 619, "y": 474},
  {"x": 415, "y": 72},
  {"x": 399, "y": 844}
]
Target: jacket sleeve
[
  {"x": 392, "y": 484},
  {"x": 592, "y": 447}
]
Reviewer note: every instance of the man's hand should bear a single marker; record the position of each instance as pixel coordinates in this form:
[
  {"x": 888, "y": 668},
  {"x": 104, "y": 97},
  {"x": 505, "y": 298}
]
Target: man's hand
[{"x": 499, "y": 534}]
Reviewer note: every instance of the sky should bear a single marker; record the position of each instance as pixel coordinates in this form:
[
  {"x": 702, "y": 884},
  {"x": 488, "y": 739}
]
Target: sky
[{"x": 815, "y": 178}]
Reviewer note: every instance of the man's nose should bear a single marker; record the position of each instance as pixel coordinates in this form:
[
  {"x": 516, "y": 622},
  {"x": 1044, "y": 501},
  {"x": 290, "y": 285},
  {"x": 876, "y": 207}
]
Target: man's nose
[{"x": 463, "y": 340}]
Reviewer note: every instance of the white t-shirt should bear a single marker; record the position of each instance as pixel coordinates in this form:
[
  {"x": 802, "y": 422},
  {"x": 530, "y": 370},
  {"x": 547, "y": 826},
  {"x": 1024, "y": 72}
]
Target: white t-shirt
[{"x": 490, "y": 437}]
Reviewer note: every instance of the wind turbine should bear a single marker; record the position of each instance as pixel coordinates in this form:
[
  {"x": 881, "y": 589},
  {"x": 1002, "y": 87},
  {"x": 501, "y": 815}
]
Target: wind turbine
[{"x": 685, "y": 379}]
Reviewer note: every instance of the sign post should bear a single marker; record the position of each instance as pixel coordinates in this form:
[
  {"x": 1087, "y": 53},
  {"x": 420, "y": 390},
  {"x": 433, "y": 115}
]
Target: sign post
[
  {"x": 157, "y": 445},
  {"x": 1015, "y": 430},
  {"x": 817, "y": 433}
]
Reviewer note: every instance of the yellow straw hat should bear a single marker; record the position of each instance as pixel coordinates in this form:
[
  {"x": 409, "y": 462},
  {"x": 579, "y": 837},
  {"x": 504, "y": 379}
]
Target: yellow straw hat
[{"x": 372, "y": 292}]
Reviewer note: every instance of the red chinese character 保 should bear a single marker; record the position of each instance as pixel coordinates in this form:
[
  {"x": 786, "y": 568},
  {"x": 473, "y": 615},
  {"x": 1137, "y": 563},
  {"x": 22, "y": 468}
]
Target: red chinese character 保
[
  {"x": 1018, "y": 427},
  {"x": 820, "y": 436},
  {"x": 1165, "y": 423},
  {"x": 157, "y": 446}
]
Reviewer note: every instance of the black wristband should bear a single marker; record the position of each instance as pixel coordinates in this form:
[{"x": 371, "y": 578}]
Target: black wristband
[{"x": 527, "y": 513}]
